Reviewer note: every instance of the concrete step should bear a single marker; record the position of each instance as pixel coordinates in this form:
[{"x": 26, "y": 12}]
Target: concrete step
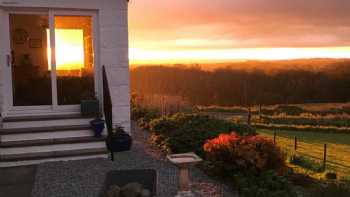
[
  {"x": 51, "y": 148},
  {"x": 45, "y": 123},
  {"x": 53, "y": 141},
  {"x": 27, "y": 118},
  {"x": 36, "y": 158},
  {"x": 50, "y": 134},
  {"x": 26, "y": 140},
  {"x": 56, "y": 154},
  {"x": 40, "y": 129}
]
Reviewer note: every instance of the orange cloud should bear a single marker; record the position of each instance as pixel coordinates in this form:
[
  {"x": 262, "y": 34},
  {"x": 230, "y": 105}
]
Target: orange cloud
[{"x": 195, "y": 25}]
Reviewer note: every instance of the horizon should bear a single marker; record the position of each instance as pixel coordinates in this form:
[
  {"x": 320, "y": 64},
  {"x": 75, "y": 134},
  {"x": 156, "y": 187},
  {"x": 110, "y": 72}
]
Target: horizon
[
  {"x": 237, "y": 31},
  {"x": 225, "y": 62}
]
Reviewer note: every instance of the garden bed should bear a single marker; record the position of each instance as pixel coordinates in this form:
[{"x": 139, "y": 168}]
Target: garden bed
[{"x": 241, "y": 159}]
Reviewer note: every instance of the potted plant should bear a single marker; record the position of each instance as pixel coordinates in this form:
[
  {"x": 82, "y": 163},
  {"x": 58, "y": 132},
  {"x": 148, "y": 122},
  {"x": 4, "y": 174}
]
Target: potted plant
[
  {"x": 98, "y": 125},
  {"x": 119, "y": 140},
  {"x": 89, "y": 105}
]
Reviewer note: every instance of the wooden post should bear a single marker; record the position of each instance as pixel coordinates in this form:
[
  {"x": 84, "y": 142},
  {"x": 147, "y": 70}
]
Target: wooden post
[
  {"x": 163, "y": 105},
  {"x": 259, "y": 111},
  {"x": 295, "y": 143},
  {"x": 274, "y": 137},
  {"x": 325, "y": 156},
  {"x": 249, "y": 116}
]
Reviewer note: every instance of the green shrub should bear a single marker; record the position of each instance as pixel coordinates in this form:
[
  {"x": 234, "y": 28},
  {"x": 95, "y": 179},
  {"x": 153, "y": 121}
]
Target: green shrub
[
  {"x": 330, "y": 175},
  {"x": 269, "y": 112},
  {"x": 289, "y": 110},
  {"x": 169, "y": 124},
  {"x": 302, "y": 180},
  {"x": 332, "y": 190},
  {"x": 325, "y": 129},
  {"x": 249, "y": 163},
  {"x": 218, "y": 109},
  {"x": 160, "y": 141},
  {"x": 346, "y": 179},
  {"x": 244, "y": 129},
  {"x": 143, "y": 116},
  {"x": 255, "y": 154},
  {"x": 306, "y": 163},
  {"x": 188, "y": 132},
  {"x": 346, "y": 109},
  {"x": 267, "y": 184}
]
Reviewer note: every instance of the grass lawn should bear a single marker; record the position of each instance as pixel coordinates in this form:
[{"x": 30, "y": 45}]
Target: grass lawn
[{"x": 311, "y": 144}]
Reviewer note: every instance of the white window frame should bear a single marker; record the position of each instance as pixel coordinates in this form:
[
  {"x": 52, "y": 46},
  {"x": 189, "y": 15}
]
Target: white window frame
[{"x": 9, "y": 108}]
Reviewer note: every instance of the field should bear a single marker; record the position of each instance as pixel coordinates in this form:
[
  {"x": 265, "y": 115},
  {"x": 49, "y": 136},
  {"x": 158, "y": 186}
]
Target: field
[
  {"x": 311, "y": 144},
  {"x": 312, "y": 124}
]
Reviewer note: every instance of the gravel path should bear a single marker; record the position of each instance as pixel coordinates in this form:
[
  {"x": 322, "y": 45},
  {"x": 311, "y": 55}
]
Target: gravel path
[{"x": 85, "y": 178}]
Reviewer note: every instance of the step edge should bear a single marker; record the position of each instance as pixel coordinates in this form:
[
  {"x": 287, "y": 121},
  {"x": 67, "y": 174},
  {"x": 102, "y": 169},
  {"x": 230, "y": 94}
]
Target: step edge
[
  {"x": 10, "y": 131},
  {"x": 52, "y": 141},
  {"x": 7, "y": 164},
  {"x": 43, "y": 117},
  {"x": 53, "y": 154}
]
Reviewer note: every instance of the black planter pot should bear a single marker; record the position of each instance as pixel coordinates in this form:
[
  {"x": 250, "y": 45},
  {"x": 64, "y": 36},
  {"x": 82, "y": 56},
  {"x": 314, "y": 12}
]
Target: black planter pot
[
  {"x": 98, "y": 126},
  {"x": 119, "y": 142}
]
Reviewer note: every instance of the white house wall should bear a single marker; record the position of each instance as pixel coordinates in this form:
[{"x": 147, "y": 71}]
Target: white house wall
[
  {"x": 113, "y": 42},
  {"x": 2, "y": 63}
]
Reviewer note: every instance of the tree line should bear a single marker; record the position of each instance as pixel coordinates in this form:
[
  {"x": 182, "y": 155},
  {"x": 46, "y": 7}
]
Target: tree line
[{"x": 228, "y": 86}]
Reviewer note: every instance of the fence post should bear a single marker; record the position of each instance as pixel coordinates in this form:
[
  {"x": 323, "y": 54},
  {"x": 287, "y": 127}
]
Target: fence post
[
  {"x": 259, "y": 111},
  {"x": 249, "y": 116},
  {"x": 274, "y": 137},
  {"x": 295, "y": 143},
  {"x": 325, "y": 156}
]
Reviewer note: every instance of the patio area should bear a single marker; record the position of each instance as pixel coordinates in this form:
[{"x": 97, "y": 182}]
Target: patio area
[{"x": 85, "y": 178}]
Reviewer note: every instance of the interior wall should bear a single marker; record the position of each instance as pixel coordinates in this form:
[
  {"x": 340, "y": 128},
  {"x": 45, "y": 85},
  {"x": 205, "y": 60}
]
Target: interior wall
[{"x": 35, "y": 26}]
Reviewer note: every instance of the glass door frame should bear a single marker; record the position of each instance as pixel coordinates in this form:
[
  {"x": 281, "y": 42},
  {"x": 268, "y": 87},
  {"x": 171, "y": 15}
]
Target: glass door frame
[{"x": 54, "y": 107}]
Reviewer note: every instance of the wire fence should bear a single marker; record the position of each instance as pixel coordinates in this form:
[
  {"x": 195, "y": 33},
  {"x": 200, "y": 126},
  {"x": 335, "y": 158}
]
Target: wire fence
[{"x": 334, "y": 157}]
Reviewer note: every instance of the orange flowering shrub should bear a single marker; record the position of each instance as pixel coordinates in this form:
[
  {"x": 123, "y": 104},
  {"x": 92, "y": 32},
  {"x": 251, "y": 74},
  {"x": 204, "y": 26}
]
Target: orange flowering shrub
[{"x": 231, "y": 152}]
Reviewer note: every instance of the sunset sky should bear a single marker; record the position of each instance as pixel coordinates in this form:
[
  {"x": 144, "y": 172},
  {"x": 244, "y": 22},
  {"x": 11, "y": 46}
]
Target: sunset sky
[{"x": 169, "y": 31}]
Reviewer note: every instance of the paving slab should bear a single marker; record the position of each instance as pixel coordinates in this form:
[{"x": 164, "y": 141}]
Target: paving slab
[{"x": 17, "y": 181}]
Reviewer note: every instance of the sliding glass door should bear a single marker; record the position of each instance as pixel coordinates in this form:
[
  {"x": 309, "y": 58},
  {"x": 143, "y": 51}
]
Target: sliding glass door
[
  {"x": 74, "y": 59},
  {"x": 31, "y": 76},
  {"x": 52, "y": 59}
]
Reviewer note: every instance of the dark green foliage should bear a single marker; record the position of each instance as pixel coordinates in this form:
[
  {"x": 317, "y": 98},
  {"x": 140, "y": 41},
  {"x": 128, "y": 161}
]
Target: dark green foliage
[
  {"x": 307, "y": 128},
  {"x": 238, "y": 110},
  {"x": 147, "y": 114},
  {"x": 306, "y": 120},
  {"x": 142, "y": 115},
  {"x": 346, "y": 179},
  {"x": 244, "y": 129},
  {"x": 289, "y": 110},
  {"x": 332, "y": 190},
  {"x": 267, "y": 184},
  {"x": 331, "y": 175},
  {"x": 188, "y": 132},
  {"x": 306, "y": 163},
  {"x": 346, "y": 109},
  {"x": 268, "y": 112},
  {"x": 302, "y": 180}
]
